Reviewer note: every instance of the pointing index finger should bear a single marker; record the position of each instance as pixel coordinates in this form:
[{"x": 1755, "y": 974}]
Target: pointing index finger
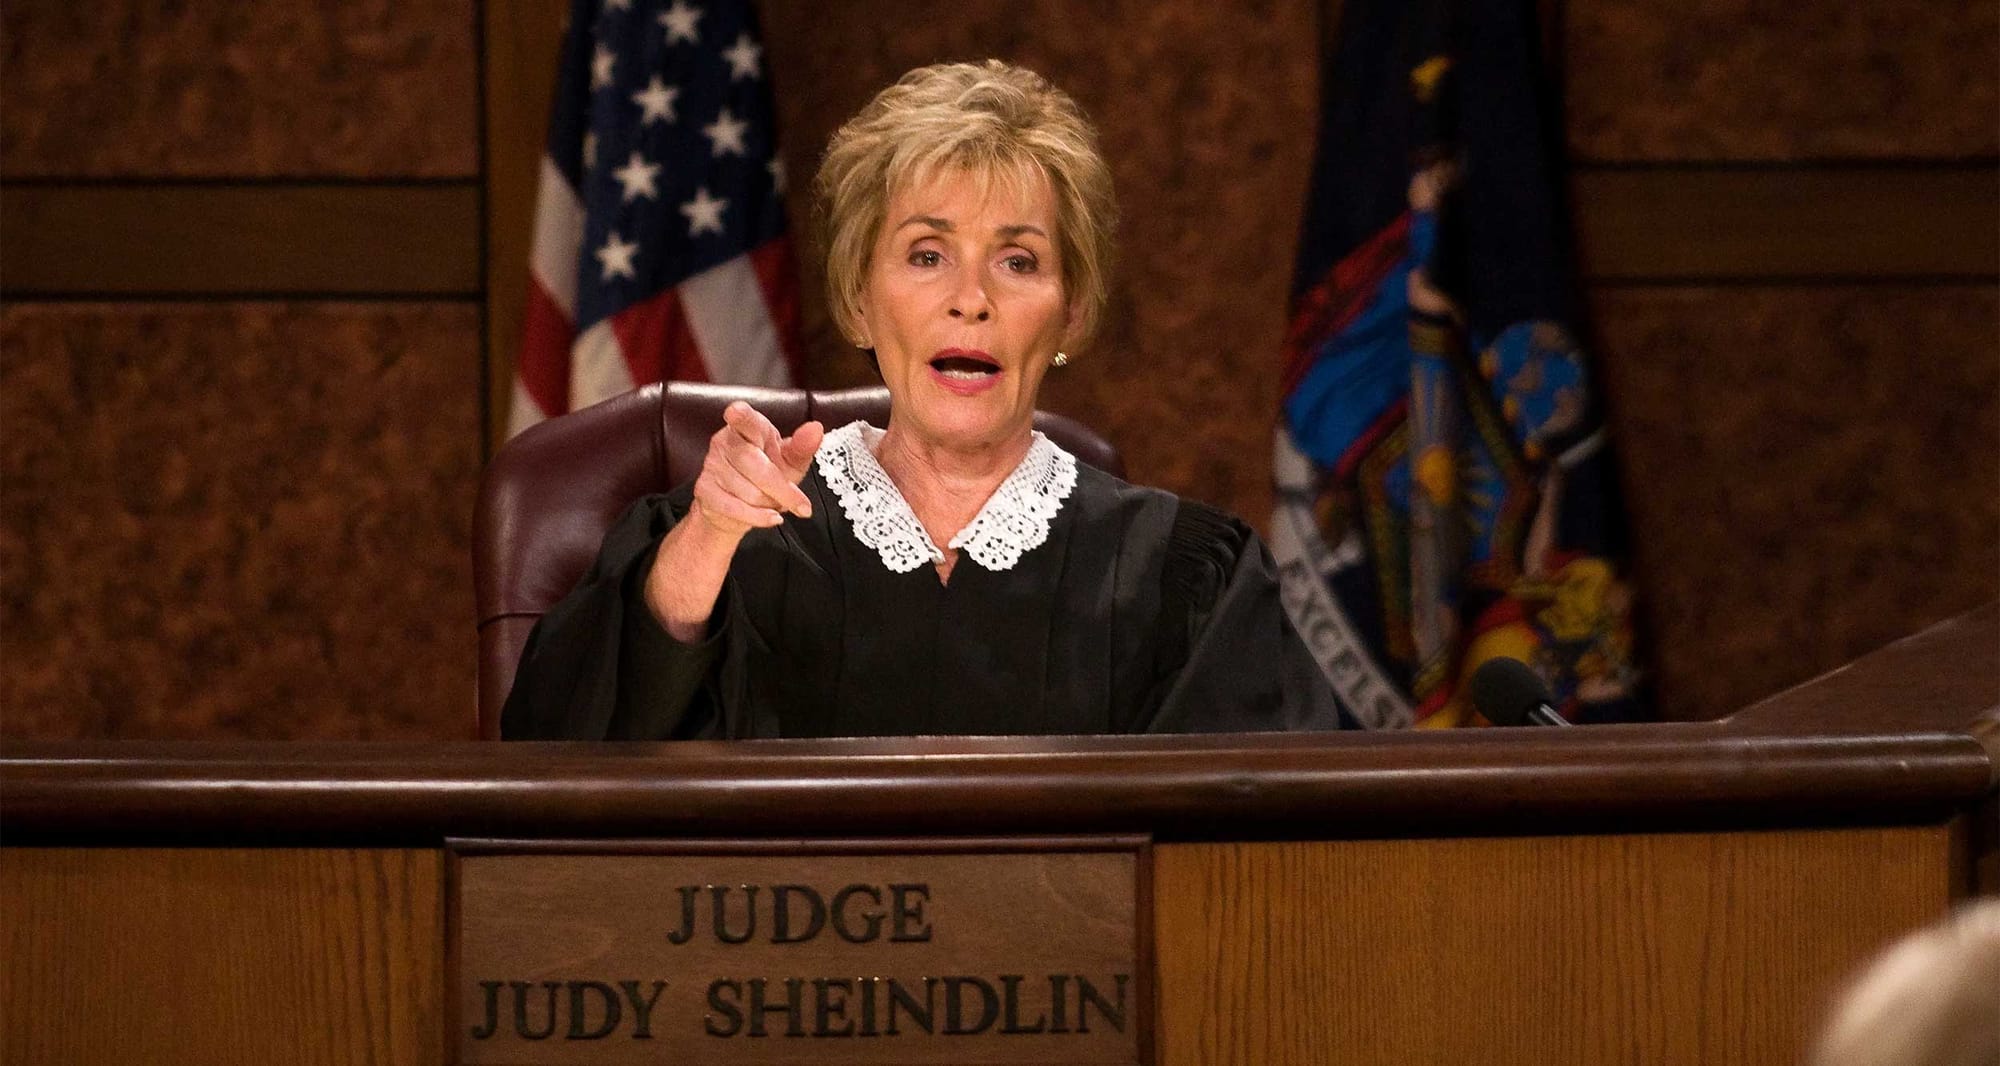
[{"x": 750, "y": 423}]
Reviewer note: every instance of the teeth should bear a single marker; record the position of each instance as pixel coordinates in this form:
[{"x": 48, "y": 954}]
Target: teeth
[{"x": 964, "y": 375}]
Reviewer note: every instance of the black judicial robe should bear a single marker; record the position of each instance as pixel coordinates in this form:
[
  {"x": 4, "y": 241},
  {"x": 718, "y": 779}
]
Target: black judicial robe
[{"x": 1141, "y": 613}]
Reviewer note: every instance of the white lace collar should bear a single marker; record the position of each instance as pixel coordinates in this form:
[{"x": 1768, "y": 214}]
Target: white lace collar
[{"x": 1014, "y": 521}]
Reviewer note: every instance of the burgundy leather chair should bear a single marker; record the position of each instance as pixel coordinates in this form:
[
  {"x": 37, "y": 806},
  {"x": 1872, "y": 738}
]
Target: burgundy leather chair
[{"x": 551, "y": 493}]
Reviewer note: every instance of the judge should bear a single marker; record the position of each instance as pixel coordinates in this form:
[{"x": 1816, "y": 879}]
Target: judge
[{"x": 953, "y": 571}]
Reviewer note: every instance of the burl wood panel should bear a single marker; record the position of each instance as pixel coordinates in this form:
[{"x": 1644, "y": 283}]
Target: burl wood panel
[
  {"x": 1810, "y": 473},
  {"x": 237, "y": 520},
  {"x": 1769, "y": 80},
  {"x": 235, "y": 958},
  {"x": 1206, "y": 113},
  {"x": 361, "y": 88},
  {"x": 1696, "y": 949}
]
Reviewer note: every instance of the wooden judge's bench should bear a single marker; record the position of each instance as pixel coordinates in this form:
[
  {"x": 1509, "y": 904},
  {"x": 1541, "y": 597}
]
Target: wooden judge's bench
[{"x": 1685, "y": 893}]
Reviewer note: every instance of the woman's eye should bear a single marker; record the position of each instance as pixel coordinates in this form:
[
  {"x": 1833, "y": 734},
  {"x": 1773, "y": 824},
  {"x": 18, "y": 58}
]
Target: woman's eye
[
  {"x": 1020, "y": 264},
  {"x": 924, "y": 257}
]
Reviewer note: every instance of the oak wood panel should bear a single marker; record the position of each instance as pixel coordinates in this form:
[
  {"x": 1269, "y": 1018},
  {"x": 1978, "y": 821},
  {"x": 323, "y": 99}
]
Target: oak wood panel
[
  {"x": 222, "y": 957},
  {"x": 171, "y": 239},
  {"x": 1712, "y": 223},
  {"x": 1700, "y": 949}
]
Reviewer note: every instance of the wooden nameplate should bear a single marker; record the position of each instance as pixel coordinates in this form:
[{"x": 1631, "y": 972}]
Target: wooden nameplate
[{"x": 1032, "y": 951}]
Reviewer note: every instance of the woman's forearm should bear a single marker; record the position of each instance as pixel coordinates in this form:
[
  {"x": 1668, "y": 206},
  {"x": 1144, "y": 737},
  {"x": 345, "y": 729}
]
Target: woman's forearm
[{"x": 687, "y": 575}]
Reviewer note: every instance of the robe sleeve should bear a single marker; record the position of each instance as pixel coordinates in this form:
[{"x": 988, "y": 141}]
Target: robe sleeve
[
  {"x": 1229, "y": 659},
  {"x": 599, "y": 666}
]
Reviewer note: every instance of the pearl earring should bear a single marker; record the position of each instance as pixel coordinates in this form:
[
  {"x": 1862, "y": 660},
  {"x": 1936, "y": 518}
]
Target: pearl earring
[{"x": 1059, "y": 360}]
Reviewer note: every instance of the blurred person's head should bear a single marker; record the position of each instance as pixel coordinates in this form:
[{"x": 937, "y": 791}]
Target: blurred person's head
[{"x": 1932, "y": 999}]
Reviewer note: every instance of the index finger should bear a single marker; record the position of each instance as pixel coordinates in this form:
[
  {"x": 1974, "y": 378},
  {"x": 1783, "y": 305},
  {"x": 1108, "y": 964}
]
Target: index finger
[{"x": 750, "y": 424}]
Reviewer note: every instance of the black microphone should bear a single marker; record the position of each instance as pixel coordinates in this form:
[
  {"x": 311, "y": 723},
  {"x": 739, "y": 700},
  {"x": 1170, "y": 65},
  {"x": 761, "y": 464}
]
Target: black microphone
[{"x": 1508, "y": 692}]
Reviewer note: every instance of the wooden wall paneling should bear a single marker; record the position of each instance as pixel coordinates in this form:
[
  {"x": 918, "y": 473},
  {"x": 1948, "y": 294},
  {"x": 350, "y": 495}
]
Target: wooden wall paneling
[
  {"x": 1582, "y": 949},
  {"x": 137, "y": 88},
  {"x": 1724, "y": 223},
  {"x": 1809, "y": 471},
  {"x": 1680, "y": 80},
  {"x": 222, "y": 957},
  {"x": 522, "y": 39},
  {"x": 203, "y": 239},
  {"x": 237, "y": 519}
]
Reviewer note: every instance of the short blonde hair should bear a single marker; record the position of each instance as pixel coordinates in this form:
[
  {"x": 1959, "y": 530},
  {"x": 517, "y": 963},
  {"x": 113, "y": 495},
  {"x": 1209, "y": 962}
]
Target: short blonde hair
[{"x": 997, "y": 121}]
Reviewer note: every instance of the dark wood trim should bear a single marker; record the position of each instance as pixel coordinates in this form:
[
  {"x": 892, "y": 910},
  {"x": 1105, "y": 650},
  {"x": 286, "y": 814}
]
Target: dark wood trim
[
  {"x": 942, "y": 845},
  {"x": 1792, "y": 281},
  {"x": 55, "y": 296},
  {"x": 268, "y": 239},
  {"x": 481, "y": 134},
  {"x": 1146, "y": 975},
  {"x": 1604, "y": 779},
  {"x": 1742, "y": 223},
  {"x": 1989, "y": 164},
  {"x": 1944, "y": 677},
  {"x": 522, "y": 39},
  {"x": 454, "y": 932},
  {"x": 247, "y": 181},
  {"x": 1983, "y": 845}
]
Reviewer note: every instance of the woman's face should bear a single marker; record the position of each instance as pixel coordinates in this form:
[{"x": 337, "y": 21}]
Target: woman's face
[{"x": 963, "y": 303}]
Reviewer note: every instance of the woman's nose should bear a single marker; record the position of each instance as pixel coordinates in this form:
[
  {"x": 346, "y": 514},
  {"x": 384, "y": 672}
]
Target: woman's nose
[{"x": 970, "y": 301}]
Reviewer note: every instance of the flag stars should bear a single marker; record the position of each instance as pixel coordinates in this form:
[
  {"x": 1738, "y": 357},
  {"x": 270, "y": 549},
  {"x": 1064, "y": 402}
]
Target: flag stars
[
  {"x": 656, "y": 102},
  {"x": 704, "y": 213},
  {"x": 637, "y": 176},
  {"x": 616, "y": 257},
  {"x": 602, "y": 64},
  {"x": 725, "y": 134},
  {"x": 680, "y": 22},
  {"x": 743, "y": 57}
]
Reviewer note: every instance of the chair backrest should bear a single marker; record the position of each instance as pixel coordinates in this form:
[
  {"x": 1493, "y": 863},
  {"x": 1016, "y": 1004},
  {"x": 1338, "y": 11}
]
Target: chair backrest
[{"x": 550, "y": 494}]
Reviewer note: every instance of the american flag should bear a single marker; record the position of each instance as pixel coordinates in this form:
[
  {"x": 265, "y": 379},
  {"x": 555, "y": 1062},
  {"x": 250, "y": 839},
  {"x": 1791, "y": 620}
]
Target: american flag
[{"x": 660, "y": 249}]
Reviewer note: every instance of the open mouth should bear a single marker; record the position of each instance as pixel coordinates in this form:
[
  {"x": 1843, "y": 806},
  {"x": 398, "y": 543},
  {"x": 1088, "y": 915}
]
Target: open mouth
[{"x": 958, "y": 365}]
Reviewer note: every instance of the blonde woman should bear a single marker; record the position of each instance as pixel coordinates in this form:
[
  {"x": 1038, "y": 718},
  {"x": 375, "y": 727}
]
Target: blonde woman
[{"x": 953, "y": 571}]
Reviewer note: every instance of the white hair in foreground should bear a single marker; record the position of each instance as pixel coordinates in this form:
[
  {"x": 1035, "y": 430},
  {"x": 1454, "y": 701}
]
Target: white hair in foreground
[{"x": 1931, "y": 999}]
